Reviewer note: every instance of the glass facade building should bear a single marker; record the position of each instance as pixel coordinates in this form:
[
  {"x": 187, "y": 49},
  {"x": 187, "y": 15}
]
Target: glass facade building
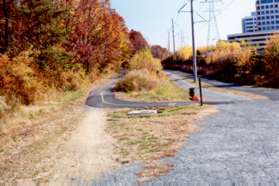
[
  {"x": 267, "y": 15},
  {"x": 260, "y": 26},
  {"x": 249, "y": 23}
]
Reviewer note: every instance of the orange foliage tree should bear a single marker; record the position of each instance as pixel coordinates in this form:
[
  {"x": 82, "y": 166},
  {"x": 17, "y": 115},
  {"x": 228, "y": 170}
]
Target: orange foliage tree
[
  {"x": 68, "y": 40},
  {"x": 99, "y": 37}
]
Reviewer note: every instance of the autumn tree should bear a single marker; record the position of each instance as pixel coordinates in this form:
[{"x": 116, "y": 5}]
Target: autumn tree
[
  {"x": 137, "y": 40},
  {"x": 98, "y": 36},
  {"x": 159, "y": 52},
  {"x": 271, "y": 56},
  {"x": 6, "y": 10},
  {"x": 39, "y": 24}
]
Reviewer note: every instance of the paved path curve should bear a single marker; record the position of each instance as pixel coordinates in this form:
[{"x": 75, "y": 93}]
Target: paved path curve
[
  {"x": 237, "y": 146},
  {"x": 103, "y": 97}
]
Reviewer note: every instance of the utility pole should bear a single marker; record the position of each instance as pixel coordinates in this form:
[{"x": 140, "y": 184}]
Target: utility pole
[
  {"x": 195, "y": 70},
  {"x": 169, "y": 47},
  {"x": 173, "y": 37}
]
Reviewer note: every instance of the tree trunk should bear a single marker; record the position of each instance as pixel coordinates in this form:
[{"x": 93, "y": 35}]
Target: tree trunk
[{"x": 6, "y": 29}]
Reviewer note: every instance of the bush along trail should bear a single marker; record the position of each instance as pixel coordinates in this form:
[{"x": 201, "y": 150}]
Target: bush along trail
[
  {"x": 232, "y": 62},
  {"x": 143, "y": 85}
]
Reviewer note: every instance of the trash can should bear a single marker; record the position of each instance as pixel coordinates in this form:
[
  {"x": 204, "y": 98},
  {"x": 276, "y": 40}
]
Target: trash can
[{"x": 192, "y": 92}]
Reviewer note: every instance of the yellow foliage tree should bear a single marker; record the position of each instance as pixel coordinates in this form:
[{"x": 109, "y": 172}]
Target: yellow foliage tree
[
  {"x": 271, "y": 56},
  {"x": 184, "y": 53}
]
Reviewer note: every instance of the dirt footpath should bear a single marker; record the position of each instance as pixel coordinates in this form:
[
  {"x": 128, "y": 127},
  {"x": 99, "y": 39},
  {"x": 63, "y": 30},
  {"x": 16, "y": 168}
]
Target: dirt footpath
[
  {"x": 89, "y": 151},
  {"x": 71, "y": 144}
]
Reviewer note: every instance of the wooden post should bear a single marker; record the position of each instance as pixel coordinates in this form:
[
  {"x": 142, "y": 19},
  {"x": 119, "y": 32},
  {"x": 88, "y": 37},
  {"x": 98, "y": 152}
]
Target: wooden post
[{"x": 201, "y": 96}]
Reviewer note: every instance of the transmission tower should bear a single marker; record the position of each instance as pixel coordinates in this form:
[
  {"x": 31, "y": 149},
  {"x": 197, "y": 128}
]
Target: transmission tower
[{"x": 213, "y": 33}]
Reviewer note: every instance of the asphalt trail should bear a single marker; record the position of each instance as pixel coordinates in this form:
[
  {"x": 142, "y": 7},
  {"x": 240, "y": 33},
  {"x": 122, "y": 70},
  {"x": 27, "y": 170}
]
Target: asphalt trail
[{"x": 103, "y": 96}]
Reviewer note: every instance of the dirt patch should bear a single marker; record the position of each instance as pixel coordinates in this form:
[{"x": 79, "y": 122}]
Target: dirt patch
[
  {"x": 148, "y": 139},
  {"x": 153, "y": 169}
]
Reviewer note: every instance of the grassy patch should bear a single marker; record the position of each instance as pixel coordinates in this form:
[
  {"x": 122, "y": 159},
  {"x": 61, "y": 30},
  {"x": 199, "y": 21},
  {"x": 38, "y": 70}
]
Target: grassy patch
[
  {"x": 149, "y": 139},
  {"x": 70, "y": 96},
  {"x": 165, "y": 91}
]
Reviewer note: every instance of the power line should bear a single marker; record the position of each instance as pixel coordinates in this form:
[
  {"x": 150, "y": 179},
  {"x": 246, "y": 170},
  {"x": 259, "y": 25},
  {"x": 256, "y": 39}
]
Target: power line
[
  {"x": 173, "y": 36},
  {"x": 213, "y": 33},
  {"x": 169, "y": 41}
]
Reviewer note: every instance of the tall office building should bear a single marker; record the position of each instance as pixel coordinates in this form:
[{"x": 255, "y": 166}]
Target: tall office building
[
  {"x": 260, "y": 26},
  {"x": 249, "y": 23},
  {"x": 267, "y": 15}
]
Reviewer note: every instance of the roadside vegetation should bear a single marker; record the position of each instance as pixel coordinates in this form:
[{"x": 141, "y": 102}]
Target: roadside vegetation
[
  {"x": 145, "y": 81},
  {"x": 232, "y": 62},
  {"x": 149, "y": 139},
  {"x": 51, "y": 52},
  {"x": 49, "y": 47}
]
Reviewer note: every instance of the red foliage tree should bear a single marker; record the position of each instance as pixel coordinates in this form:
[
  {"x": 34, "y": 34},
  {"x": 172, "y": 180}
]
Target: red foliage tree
[
  {"x": 159, "y": 52},
  {"x": 99, "y": 37},
  {"x": 137, "y": 40}
]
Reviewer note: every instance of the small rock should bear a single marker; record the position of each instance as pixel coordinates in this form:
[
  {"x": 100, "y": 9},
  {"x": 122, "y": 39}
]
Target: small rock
[
  {"x": 142, "y": 113},
  {"x": 123, "y": 162}
]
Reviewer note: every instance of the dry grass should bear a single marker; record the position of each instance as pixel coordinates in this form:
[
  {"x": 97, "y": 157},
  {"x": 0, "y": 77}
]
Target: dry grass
[
  {"x": 149, "y": 139},
  {"x": 32, "y": 138},
  {"x": 136, "y": 80},
  {"x": 164, "y": 91},
  {"x": 30, "y": 135}
]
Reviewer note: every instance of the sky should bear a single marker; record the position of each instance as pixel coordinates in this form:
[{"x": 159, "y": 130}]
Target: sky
[{"x": 153, "y": 19}]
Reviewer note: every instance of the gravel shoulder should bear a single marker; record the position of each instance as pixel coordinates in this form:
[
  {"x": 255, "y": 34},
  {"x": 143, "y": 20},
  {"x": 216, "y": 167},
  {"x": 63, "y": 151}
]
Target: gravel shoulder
[{"x": 239, "y": 145}]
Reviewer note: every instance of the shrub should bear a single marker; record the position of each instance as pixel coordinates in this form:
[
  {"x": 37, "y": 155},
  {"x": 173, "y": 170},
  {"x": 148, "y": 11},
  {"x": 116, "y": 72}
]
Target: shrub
[
  {"x": 231, "y": 59},
  {"x": 18, "y": 80},
  {"x": 55, "y": 68},
  {"x": 143, "y": 60},
  {"x": 271, "y": 59},
  {"x": 184, "y": 53},
  {"x": 72, "y": 79},
  {"x": 136, "y": 80}
]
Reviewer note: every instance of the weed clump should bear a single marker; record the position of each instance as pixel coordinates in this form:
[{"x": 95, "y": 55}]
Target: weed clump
[
  {"x": 136, "y": 80},
  {"x": 144, "y": 60}
]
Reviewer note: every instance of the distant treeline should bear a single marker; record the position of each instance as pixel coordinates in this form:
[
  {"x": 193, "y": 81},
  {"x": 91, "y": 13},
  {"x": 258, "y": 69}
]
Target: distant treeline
[{"x": 232, "y": 62}]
